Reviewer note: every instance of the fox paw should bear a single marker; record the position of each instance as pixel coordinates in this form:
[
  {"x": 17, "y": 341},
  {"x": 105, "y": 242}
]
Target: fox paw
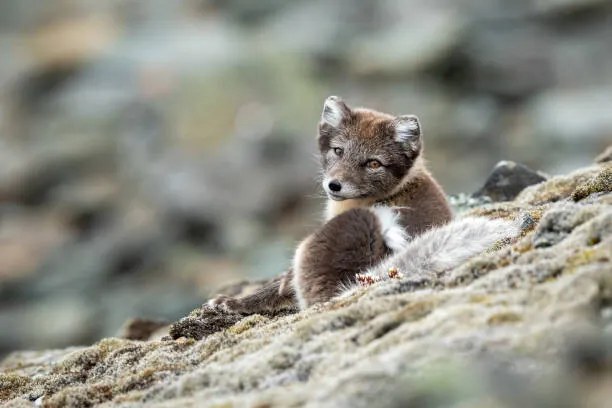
[
  {"x": 225, "y": 303},
  {"x": 366, "y": 279}
]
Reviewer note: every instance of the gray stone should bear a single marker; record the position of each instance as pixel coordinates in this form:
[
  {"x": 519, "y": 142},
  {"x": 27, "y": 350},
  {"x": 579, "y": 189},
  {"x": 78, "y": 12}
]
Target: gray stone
[
  {"x": 74, "y": 315},
  {"x": 507, "y": 180},
  {"x": 411, "y": 40},
  {"x": 317, "y": 28},
  {"x": 510, "y": 61},
  {"x": 557, "y": 224},
  {"x": 463, "y": 202},
  {"x": 570, "y": 115},
  {"x": 565, "y": 7}
]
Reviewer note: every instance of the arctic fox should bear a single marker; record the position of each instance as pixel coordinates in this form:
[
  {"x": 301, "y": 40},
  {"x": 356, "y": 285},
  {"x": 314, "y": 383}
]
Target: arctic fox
[
  {"x": 373, "y": 158},
  {"x": 384, "y": 210}
]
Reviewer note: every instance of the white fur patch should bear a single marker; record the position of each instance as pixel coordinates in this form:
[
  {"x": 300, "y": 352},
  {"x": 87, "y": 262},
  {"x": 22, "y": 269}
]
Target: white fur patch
[
  {"x": 444, "y": 248},
  {"x": 408, "y": 130},
  {"x": 407, "y": 127},
  {"x": 332, "y": 112},
  {"x": 394, "y": 235},
  {"x": 297, "y": 261}
]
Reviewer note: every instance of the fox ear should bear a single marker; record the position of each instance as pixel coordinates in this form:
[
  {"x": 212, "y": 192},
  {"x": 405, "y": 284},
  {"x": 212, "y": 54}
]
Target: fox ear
[
  {"x": 408, "y": 132},
  {"x": 334, "y": 111}
]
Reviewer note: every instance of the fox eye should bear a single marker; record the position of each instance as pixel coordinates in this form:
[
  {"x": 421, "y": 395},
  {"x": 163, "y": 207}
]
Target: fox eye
[
  {"x": 338, "y": 151},
  {"x": 373, "y": 164}
]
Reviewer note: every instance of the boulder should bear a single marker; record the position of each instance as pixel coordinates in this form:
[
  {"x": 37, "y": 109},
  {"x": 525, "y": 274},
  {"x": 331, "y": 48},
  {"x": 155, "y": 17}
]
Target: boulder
[{"x": 507, "y": 180}]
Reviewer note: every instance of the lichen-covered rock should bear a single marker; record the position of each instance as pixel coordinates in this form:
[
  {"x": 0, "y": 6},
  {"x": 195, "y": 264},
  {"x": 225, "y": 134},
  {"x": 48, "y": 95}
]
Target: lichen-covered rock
[
  {"x": 203, "y": 322},
  {"x": 523, "y": 324}
]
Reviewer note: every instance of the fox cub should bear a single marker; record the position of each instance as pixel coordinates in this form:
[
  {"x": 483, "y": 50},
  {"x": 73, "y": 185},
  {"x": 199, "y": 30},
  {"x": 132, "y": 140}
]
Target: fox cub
[
  {"x": 372, "y": 158},
  {"x": 380, "y": 197}
]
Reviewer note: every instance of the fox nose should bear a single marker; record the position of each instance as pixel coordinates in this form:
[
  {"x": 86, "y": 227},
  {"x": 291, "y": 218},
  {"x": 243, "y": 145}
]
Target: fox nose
[{"x": 335, "y": 186}]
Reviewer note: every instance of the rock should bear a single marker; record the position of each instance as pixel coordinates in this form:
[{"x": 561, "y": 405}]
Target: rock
[
  {"x": 511, "y": 61},
  {"x": 87, "y": 205},
  {"x": 203, "y": 322},
  {"x": 70, "y": 41},
  {"x": 560, "y": 187},
  {"x": 507, "y": 180},
  {"x": 601, "y": 183},
  {"x": 47, "y": 323},
  {"x": 30, "y": 173},
  {"x": 558, "y": 223},
  {"x": 567, "y": 7},
  {"x": 27, "y": 240},
  {"x": 410, "y": 40},
  {"x": 316, "y": 27},
  {"x": 249, "y": 12},
  {"x": 522, "y": 324},
  {"x": 586, "y": 118},
  {"x": 463, "y": 202}
]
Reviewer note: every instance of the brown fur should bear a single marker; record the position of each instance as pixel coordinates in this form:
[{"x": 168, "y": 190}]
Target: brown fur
[
  {"x": 274, "y": 295},
  {"x": 422, "y": 201},
  {"x": 334, "y": 254},
  {"x": 402, "y": 181}
]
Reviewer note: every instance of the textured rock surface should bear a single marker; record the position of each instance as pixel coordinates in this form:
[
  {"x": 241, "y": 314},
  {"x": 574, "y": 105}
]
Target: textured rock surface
[
  {"x": 526, "y": 324},
  {"x": 507, "y": 180}
]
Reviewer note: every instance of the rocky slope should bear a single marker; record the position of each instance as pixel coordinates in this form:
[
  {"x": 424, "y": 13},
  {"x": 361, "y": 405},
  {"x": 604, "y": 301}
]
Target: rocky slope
[
  {"x": 123, "y": 123},
  {"x": 529, "y": 323}
]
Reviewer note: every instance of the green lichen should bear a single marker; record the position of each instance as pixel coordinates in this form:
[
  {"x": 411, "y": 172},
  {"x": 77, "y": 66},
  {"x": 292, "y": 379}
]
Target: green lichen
[
  {"x": 247, "y": 323},
  {"x": 587, "y": 256},
  {"x": 555, "y": 189},
  {"x": 502, "y": 318},
  {"x": 12, "y": 385},
  {"x": 479, "y": 298},
  {"x": 601, "y": 183},
  {"x": 505, "y": 210}
]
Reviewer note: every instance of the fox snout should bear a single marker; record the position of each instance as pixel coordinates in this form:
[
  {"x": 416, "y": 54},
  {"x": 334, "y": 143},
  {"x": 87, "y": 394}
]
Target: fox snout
[
  {"x": 334, "y": 186},
  {"x": 339, "y": 189}
]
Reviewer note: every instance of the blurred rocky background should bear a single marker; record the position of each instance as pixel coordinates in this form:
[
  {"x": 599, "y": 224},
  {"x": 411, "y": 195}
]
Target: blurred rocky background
[{"x": 151, "y": 151}]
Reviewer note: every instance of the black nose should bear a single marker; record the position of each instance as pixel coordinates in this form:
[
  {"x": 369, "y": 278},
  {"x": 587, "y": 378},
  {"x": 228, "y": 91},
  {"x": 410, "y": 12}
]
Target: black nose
[{"x": 335, "y": 186}]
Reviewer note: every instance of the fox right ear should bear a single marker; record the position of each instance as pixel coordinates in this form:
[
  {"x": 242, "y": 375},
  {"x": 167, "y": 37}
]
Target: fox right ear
[
  {"x": 334, "y": 111},
  {"x": 408, "y": 132}
]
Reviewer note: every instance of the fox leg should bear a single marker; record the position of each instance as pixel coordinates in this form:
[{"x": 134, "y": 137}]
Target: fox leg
[
  {"x": 330, "y": 259},
  {"x": 326, "y": 261},
  {"x": 273, "y": 296}
]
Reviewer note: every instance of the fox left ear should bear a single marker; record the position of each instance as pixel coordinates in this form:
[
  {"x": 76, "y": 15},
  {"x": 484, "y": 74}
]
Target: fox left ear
[
  {"x": 408, "y": 132},
  {"x": 334, "y": 111}
]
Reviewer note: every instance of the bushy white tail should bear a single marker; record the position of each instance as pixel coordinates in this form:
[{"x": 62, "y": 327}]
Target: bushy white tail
[{"x": 446, "y": 247}]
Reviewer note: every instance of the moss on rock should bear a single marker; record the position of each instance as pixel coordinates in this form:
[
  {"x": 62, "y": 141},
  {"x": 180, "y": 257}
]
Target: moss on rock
[
  {"x": 601, "y": 183},
  {"x": 454, "y": 339}
]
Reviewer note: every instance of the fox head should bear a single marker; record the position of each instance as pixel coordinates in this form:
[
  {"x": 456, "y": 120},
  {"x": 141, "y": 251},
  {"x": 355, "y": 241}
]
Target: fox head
[{"x": 365, "y": 154}]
